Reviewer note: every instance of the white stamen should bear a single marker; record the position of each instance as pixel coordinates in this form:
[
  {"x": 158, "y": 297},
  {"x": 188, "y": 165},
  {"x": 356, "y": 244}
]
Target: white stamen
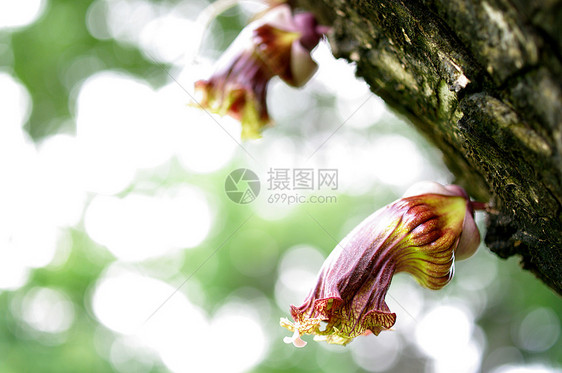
[{"x": 295, "y": 339}]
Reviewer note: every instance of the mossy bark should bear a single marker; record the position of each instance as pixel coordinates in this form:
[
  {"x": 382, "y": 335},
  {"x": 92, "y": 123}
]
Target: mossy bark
[{"x": 483, "y": 81}]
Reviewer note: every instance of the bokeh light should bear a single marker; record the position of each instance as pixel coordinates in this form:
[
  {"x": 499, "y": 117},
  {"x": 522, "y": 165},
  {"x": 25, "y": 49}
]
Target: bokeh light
[
  {"x": 443, "y": 330},
  {"x": 297, "y": 275},
  {"x": 538, "y": 331},
  {"x": 20, "y": 13},
  {"x": 47, "y": 310},
  {"x": 180, "y": 332},
  {"x": 119, "y": 131},
  {"x": 139, "y": 226},
  {"x": 377, "y": 354}
]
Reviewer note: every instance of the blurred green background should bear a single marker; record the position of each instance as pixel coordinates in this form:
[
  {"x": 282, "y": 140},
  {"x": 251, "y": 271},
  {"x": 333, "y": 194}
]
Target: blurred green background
[{"x": 120, "y": 251}]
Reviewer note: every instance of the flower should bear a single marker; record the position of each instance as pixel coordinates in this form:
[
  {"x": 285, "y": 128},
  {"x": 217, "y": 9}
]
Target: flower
[
  {"x": 279, "y": 43},
  {"x": 421, "y": 234}
]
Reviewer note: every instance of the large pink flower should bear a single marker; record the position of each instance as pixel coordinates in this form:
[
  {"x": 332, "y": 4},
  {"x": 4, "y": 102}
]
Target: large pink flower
[
  {"x": 421, "y": 234},
  {"x": 279, "y": 43}
]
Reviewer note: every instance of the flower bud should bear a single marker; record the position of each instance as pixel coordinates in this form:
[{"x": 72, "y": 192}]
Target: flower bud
[{"x": 420, "y": 233}]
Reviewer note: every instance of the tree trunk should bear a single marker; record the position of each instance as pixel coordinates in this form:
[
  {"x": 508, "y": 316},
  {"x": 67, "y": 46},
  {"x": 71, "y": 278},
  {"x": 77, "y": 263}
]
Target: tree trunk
[{"x": 482, "y": 79}]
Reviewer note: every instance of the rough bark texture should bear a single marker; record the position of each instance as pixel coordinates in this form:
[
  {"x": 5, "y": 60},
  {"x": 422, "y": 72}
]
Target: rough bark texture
[{"x": 483, "y": 81}]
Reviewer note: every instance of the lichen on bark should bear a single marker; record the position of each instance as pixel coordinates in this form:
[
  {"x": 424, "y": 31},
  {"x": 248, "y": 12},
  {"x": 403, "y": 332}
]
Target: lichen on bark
[{"x": 482, "y": 80}]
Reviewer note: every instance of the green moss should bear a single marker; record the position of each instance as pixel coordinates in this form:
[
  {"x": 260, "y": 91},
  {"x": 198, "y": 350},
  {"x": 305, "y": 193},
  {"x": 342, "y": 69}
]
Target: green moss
[{"x": 447, "y": 100}]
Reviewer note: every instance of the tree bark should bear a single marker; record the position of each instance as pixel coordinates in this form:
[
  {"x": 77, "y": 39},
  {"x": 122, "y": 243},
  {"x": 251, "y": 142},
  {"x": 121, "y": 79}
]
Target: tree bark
[{"x": 482, "y": 79}]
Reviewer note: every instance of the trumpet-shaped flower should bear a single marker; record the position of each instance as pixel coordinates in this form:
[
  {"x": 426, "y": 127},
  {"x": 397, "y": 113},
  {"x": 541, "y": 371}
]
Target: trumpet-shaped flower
[
  {"x": 279, "y": 43},
  {"x": 421, "y": 234}
]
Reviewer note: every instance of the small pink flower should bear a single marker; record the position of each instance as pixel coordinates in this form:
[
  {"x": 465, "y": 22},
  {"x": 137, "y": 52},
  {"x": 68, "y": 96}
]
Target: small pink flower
[
  {"x": 279, "y": 43},
  {"x": 421, "y": 234}
]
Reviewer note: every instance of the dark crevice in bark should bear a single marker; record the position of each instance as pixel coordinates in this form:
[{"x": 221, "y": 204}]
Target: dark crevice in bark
[{"x": 511, "y": 80}]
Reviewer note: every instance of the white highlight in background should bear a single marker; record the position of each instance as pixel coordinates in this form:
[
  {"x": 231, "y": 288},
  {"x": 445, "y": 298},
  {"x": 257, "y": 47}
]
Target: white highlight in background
[
  {"x": 297, "y": 275},
  {"x": 141, "y": 226},
  {"x": 377, "y": 353},
  {"x": 120, "y": 130},
  {"x": 124, "y": 126},
  {"x": 180, "y": 332},
  {"x": 445, "y": 334},
  {"x": 14, "y": 14},
  {"x": 47, "y": 310},
  {"x": 32, "y": 207},
  {"x": 167, "y": 33},
  {"x": 538, "y": 331},
  {"x": 395, "y": 160}
]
